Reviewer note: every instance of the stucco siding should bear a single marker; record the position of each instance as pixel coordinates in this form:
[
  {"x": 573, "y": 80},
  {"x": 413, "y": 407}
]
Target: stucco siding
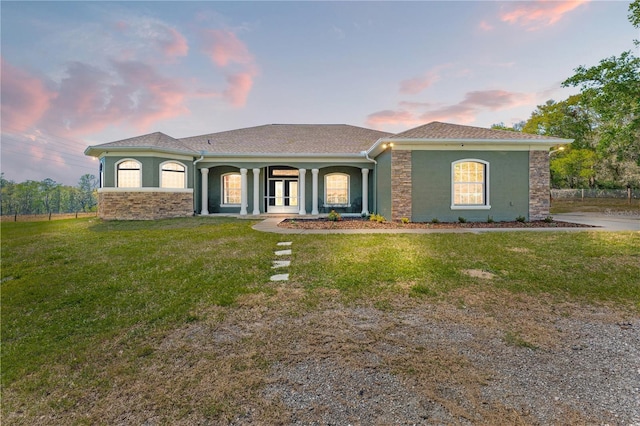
[
  {"x": 508, "y": 185},
  {"x": 150, "y": 170},
  {"x": 383, "y": 185}
]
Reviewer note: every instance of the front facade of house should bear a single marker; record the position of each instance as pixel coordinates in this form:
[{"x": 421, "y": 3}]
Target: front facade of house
[{"x": 437, "y": 170}]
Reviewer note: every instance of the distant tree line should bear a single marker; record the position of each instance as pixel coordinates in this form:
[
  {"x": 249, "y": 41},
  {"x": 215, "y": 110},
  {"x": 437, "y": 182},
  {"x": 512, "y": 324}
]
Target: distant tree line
[
  {"x": 603, "y": 119},
  {"x": 47, "y": 196}
]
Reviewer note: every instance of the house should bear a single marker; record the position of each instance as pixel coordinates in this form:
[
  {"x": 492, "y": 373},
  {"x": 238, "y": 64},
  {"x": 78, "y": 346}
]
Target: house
[{"x": 436, "y": 170}]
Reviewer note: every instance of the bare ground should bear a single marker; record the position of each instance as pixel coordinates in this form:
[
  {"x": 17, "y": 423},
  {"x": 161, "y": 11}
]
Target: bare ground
[{"x": 300, "y": 357}]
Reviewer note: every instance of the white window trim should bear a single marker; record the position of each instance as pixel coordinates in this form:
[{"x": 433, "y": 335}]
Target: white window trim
[
  {"x": 348, "y": 204},
  {"x": 118, "y": 174},
  {"x": 176, "y": 162},
  {"x": 487, "y": 204},
  {"x": 222, "y": 203}
]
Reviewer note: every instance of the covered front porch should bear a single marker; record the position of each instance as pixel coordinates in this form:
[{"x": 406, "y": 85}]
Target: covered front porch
[{"x": 284, "y": 189}]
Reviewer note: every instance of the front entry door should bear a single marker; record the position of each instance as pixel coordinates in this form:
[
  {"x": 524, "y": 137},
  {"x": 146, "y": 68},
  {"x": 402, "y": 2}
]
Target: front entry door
[{"x": 282, "y": 190}]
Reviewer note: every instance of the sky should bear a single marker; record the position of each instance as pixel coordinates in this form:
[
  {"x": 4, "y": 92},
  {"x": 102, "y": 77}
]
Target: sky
[{"x": 76, "y": 74}]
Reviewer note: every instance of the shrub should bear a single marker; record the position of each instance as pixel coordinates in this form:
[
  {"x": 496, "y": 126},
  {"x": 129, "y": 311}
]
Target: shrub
[
  {"x": 404, "y": 220},
  {"x": 380, "y": 218},
  {"x": 490, "y": 219},
  {"x": 435, "y": 220},
  {"x": 521, "y": 219},
  {"x": 334, "y": 216},
  {"x": 462, "y": 220},
  {"x": 548, "y": 219}
]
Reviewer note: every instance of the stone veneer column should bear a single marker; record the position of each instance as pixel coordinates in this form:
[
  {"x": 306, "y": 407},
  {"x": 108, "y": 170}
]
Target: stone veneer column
[
  {"x": 243, "y": 192},
  {"x": 539, "y": 181},
  {"x": 314, "y": 191},
  {"x": 256, "y": 191},
  {"x": 400, "y": 184},
  {"x": 301, "y": 190},
  {"x": 205, "y": 191},
  {"x": 365, "y": 191}
]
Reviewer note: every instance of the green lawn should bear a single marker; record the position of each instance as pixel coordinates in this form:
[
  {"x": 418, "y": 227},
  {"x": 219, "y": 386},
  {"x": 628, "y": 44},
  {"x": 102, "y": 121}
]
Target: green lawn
[{"x": 79, "y": 296}]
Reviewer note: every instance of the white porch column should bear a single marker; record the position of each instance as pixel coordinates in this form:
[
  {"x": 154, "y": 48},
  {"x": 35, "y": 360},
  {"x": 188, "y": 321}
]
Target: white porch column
[
  {"x": 205, "y": 191},
  {"x": 243, "y": 191},
  {"x": 314, "y": 191},
  {"x": 256, "y": 191},
  {"x": 365, "y": 191},
  {"x": 301, "y": 185}
]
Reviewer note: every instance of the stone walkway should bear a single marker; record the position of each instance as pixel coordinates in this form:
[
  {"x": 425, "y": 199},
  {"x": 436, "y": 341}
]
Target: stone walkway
[{"x": 281, "y": 264}]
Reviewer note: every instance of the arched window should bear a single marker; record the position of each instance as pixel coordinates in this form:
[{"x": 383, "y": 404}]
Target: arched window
[
  {"x": 469, "y": 188},
  {"x": 231, "y": 188},
  {"x": 129, "y": 174},
  {"x": 173, "y": 175},
  {"x": 336, "y": 189}
]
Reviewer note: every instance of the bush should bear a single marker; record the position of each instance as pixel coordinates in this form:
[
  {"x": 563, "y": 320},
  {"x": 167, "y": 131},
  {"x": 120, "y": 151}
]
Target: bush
[
  {"x": 334, "y": 216},
  {"x": 548, "y": 219},
  {"x": 521, "y": 219},
  {"x": 462, "y": 220},
  {"x": 490, "y": 219},
  {"x": 404, "y": 220},
  {"x": 435, "y": 220}
]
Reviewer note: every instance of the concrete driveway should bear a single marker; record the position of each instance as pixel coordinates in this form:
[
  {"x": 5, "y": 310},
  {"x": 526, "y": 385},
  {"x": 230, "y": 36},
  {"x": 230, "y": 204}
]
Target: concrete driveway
[{"x": 614, "y": 221}]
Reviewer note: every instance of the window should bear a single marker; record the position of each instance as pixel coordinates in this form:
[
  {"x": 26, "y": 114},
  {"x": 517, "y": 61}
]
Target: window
[
  {"x": 231, "y": 188},
  {"x": 173, "y": 175},
  {"x": 129, "y": 174},
  {"x": 469, "y": 186},
  {"x": 336, "y": 189}
]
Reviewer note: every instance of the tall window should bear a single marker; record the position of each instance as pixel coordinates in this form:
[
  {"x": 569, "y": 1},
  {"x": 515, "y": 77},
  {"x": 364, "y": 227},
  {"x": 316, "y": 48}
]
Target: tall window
[
  {"x": 129, "y": 174},
  {"x": 231, "y": 188},
  {"x": 470, "y": 183},
  {"x": 336, "y": 189},
  {"x": 173, "y": 175}
]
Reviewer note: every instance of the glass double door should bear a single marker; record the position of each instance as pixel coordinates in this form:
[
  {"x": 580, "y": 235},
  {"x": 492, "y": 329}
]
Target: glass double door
[{"x": 282, "y": 190}]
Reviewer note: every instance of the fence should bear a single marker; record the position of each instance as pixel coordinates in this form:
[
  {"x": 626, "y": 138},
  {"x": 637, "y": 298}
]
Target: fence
[
  {"x": 567, "y": 194},
  {"x": 44, "y": 217}
]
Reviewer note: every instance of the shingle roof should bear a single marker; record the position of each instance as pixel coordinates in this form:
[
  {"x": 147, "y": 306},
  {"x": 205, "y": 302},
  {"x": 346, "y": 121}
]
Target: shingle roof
[
  {"x": 288, "y": 139},
  {"x": 156, "y": 140},
  {"x": 437, "y": 130}
]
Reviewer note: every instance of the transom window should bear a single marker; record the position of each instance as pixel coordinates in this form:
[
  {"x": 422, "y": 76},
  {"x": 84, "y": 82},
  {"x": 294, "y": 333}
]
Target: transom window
[
  {"x": 469, "y": 186},
  {"x": 231, "y": 188},
  {"x": 336, "y": 189},
  {"x": 129, "y": 174},
  {"x": 173, "y": 175}
]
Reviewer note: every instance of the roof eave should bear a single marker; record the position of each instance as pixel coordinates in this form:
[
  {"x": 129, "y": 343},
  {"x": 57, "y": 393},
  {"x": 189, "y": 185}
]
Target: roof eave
[{"x": 97, "y": 150}]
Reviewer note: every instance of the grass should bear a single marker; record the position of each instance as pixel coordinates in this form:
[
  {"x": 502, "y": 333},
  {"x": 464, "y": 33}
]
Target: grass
[
  {"x": 87, "y": 305},
  {"x": 596, "y": 205}
]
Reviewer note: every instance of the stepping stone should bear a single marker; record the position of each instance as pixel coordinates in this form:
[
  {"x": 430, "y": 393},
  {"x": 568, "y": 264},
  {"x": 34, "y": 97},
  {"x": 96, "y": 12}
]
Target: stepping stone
[
  {"x": 280, "y": 264},
  {"x": 280, "y": 277},
  {"x": 283, "y": 252},
  {"x": 284, "y": 243}
]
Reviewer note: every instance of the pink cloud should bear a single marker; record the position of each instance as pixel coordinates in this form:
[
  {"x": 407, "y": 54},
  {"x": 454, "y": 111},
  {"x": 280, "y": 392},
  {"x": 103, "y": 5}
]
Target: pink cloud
[
  {"x": 485, "y": 26},
  {"x": 538, "y": 14},
  {"x": 133, "y": 93},
  {"x": 25, "y": 98},
  {"x": 416, "y": 85},
  {"x": 239, "y": 86},
  {"x": 224, "y": 48},
  {"x": 174, "y": 44},
  {"x": 464, "y": 112}
]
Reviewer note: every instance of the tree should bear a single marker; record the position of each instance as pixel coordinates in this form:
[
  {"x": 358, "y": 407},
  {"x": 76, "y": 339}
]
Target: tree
[
  {"x": 565, "y": 119},
  {"x": 87, "y": 186},
  {"x": 574, "y": 168},
  {"x": 611, "y": 91}
]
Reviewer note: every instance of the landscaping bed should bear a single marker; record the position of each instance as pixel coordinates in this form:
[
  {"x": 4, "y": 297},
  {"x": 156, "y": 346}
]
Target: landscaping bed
[{"x": 362, "y": 223}]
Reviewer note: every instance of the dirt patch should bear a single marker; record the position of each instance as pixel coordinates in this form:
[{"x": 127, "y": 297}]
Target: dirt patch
[
  {"x": 299, "y": 356},
  {"x": 361, "y": 223},
  {"x": 479, "y": 273}
]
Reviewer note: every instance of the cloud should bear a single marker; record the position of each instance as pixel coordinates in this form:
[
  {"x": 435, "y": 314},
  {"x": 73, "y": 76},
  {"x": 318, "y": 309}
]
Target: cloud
[
  {"x": 25, "y": 98},
  {"x": 150, "y": 40},
  {"x": 541, "y": 13},
  {"x": 415, "y": 85},
  {"x": 224, "y": 48},
  {"x": 485, "y": 26},
  {"x": 464, "y": 112},
  {"x": 228, "y": 52}
]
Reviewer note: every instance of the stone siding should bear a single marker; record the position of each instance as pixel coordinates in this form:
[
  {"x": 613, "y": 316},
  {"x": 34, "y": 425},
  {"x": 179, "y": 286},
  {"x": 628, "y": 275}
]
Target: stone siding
[
  {"x": 144, "y": 205},
  {"x": 400, "y": 185},
  {"x": 539, "y": 180}
]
